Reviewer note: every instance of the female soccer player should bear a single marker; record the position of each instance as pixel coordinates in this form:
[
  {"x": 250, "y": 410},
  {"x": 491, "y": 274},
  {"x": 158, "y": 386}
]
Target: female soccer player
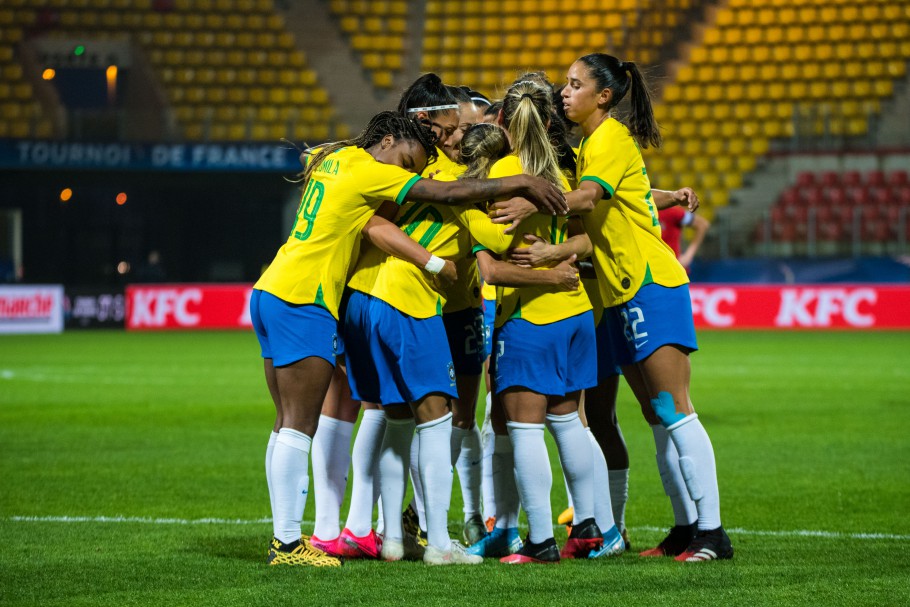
[
  {"x": 463, "y": 319},
  {"x": 645, "y": 291},
  {"x": 543, "y": 350},
  {"x": 303, "y": 285}
]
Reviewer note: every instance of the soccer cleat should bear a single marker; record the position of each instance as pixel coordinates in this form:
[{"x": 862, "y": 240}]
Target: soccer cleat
[
  {"x": 491, "y": 524},
  {"x": 675, "y": 543},
  {"x": 330, "y": 547},
  {"x": 422, "y": 538},
  {"x": 455, "y": 555},
  {"x": 404, "y": 549},
  {"x": 474, "y": 530},
  {"x": 546, "y": 552},
  {"x": 300, "y": 553},
  {"x": 613, "y": 545},
  {"x": 584, "y": 539},
  {"x": 410, "y": 521},
  {"x": 497, "y": 543},
  {"x": 710, "y": 545},
  {"x": 565, "y": 518},
  {"x": 352, "y": 547}
]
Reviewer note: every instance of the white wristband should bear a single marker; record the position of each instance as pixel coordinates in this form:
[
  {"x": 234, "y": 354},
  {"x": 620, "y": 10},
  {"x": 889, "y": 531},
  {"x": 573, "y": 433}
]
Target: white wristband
[{"x": 435, "y": 265}]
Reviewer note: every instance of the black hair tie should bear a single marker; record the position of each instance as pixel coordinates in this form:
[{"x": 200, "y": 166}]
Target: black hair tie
[{"x": 527, "y": 95}]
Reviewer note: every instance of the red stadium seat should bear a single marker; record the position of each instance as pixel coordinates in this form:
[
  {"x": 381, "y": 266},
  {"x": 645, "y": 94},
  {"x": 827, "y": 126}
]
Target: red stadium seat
[
  {"x": 805, "y": 179},
  {"x": 830, "y": 178},
  {"x": 858, "y": 195},
  {"x": 814, "y": 196},
  {"x": 789, "y": 198},
  {"x": 784, "y": 232},
  {"x": 836, "y": 196},
  {"x": 898, "y": 178},
  {"x": 830, "y": 231},
  {"x": 852, "y": 178},
  {"x": 876, "y": 178}
]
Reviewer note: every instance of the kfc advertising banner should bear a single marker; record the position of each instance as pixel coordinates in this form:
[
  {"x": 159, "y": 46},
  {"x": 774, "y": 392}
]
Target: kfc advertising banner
[
  {"x": 203, "y": 306},
  {"x": 801, "y": 307},
  {"x": 31, "y": 309},
  {"x": 714, "y": 307}
]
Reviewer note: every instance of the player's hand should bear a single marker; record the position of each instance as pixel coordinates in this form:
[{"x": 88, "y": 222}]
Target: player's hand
[
  {"x": 512, "y": 211},
  {"x": 433, "y": 174},
  {"x": 446, "y": 277},
  {"x": 566, "y": 274},
  {"x": 538, "y": 254},
  {"x": 686, "y": 197},
  {"x": 546, "y": 196}
]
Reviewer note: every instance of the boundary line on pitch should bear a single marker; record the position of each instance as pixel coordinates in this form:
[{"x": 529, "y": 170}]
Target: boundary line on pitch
[{"x": 263, "y": 521}]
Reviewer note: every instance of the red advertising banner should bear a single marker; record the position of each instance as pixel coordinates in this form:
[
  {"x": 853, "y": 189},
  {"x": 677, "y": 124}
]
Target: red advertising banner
[
  {"x": 188, "y": 306},
  {"x": 859, "y": 306},
  {"x": 31, "y": 309}
]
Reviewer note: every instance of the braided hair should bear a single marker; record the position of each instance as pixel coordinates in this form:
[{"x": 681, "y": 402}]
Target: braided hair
[{"x": 380, "y": 125}]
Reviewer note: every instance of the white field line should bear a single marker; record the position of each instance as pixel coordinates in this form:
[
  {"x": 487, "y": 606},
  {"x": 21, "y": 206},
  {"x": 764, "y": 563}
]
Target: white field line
[{"x": 262, "y": 521}]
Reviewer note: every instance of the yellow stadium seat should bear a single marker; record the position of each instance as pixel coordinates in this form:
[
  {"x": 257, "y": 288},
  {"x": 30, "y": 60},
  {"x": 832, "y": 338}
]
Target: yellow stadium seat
[{"x": 883, "y": 88}]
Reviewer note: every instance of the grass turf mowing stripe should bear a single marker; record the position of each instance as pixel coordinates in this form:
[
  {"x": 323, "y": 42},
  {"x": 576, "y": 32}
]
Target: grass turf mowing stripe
[{"x": 263, "y": 521}]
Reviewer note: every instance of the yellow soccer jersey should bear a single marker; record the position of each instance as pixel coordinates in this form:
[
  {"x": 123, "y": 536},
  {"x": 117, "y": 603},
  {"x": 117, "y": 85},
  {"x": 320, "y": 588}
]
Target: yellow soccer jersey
[
  {"x": 488, "y": 291},
  {"x": 401, "y": 284},
  {"x": 465, "y": 292},
  {"x": 539, "y": 305},
  {"x": 628, "y": 250},
  {"x": 340, "y": 197}
]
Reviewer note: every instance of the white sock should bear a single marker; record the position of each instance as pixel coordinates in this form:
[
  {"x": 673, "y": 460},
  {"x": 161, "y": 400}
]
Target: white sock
[
  {"x": 507, "y": 504},
  {"x": 486, "y": 483},
  {"x": 570, "y": 502},
  {"x": 696, "y": 462},
  {"x": 467, "y": 463},
  {"x": 290, "y": 481},
  {"x": 393, "y": 465},
  {"x": 535, "y": 478},
  {"x": 577, "y": 458},
  {"x": 619, "y": 495},
  {"x": 417, "y": 483},
  {"x": 436, "y": 477},
  {"x": 269, "y": 449},
  {"x": 365, "y": 462},
  {"x": 684, "y": 512},
  {"x": 380, "y": 520},
  {"x": 331, "y": 455},
  {"x": 603, "y": 504}
]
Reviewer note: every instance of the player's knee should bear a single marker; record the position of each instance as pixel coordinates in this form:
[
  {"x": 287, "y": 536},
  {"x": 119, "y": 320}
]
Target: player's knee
[
  {"x": 690, "y": 476},
  {"x": 665, "y": 409}
]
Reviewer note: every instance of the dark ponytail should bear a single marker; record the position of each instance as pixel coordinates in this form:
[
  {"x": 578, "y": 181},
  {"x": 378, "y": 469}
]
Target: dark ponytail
[
  {"x": 428, "y": 91},
  {"x": 623, "y": 77}
]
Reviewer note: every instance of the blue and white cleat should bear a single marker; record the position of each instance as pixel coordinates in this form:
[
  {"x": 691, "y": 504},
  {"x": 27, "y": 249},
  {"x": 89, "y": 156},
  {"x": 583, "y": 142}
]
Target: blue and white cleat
[
  {"x": 613, "y": 545},
  {"x": 498, "y": 543}
]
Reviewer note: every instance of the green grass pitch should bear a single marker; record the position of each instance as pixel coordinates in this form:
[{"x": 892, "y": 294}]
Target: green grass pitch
[{"x": 160, "y": 431}]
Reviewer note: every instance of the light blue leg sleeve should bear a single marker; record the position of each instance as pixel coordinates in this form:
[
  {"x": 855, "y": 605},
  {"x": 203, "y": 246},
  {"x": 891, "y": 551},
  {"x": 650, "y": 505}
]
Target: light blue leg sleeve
[{"x": 665, "y": 409}]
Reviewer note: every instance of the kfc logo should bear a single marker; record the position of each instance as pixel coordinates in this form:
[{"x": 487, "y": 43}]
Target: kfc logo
[{"x": 824, "y": 307}]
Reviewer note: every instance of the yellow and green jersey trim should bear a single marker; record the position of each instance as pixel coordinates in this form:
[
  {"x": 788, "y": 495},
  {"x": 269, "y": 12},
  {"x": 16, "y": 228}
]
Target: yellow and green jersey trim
[
  {"x": 407, "y": 188},
  {"x": 606, "y": 186}
]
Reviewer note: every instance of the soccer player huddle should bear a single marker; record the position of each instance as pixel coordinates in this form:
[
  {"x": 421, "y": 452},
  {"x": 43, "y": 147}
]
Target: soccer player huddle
[{"x": 448, "y": 237}]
